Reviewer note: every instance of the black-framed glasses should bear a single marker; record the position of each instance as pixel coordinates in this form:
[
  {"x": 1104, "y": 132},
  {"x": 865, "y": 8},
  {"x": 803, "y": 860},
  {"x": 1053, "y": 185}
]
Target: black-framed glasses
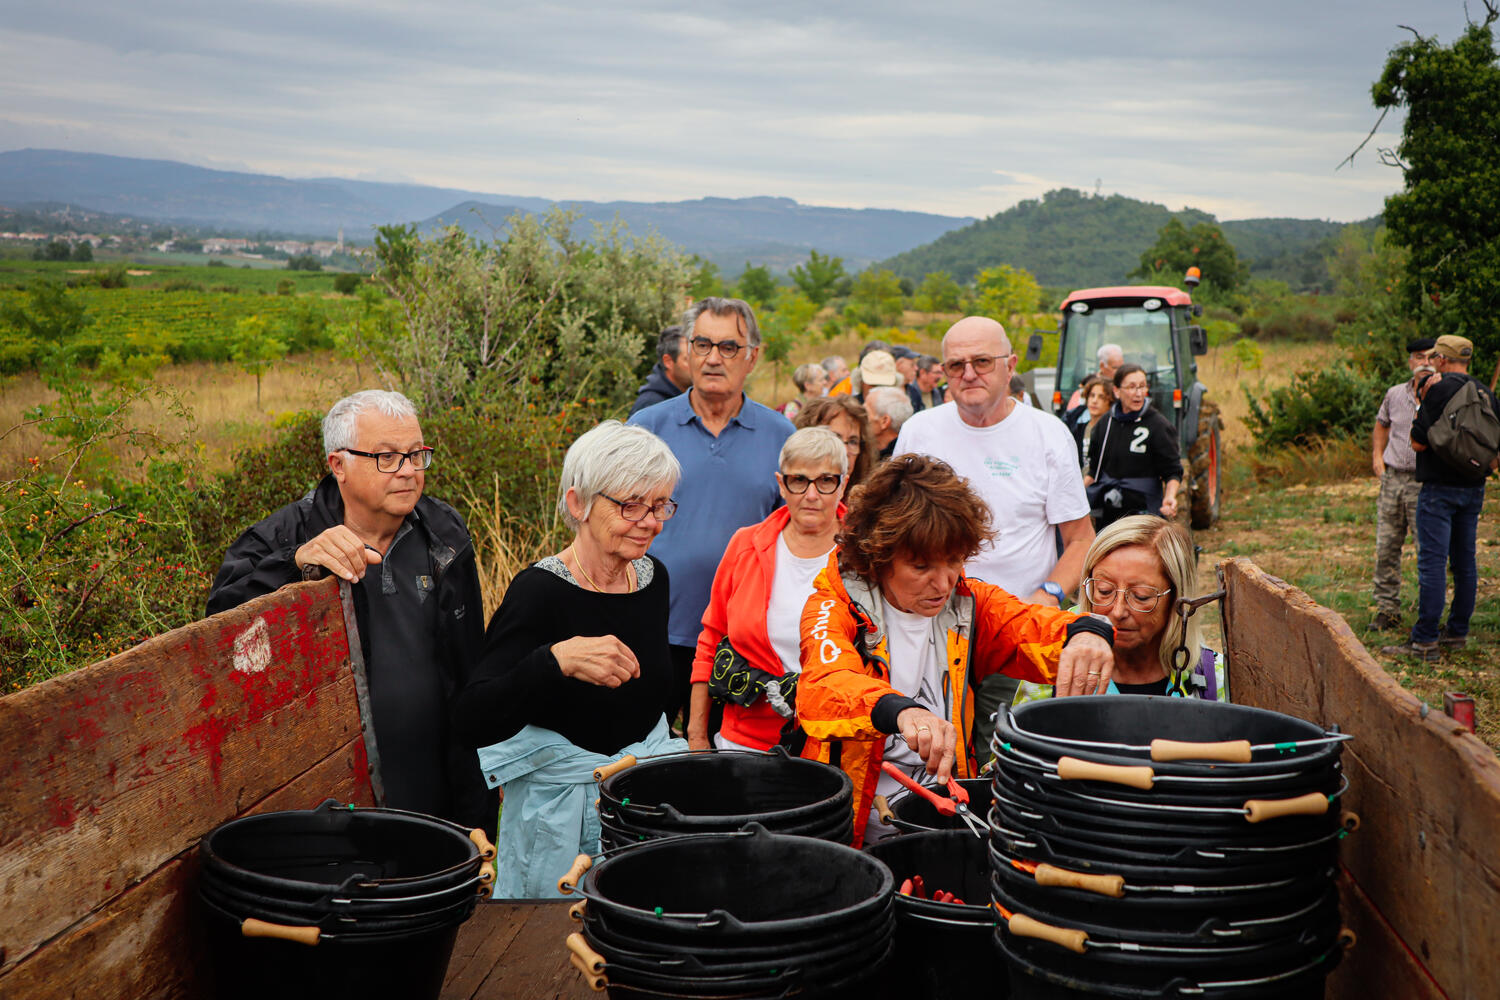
[
  {"x": 826, "y": 484},
  {"x": 391, "y": 461},
  {"x": 1102, "y": 596},
  {"x": 982, "y": 365},
  {"x": 727, "y": 348},
  {"x": 636, "y": 510}
]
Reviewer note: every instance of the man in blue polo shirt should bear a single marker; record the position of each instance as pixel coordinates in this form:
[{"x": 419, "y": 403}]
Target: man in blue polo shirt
[{"x": 728, "y": 446}]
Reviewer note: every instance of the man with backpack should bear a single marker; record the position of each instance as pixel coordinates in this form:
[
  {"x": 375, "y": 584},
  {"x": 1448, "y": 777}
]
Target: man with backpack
[{"x": 1456, "y": 437}]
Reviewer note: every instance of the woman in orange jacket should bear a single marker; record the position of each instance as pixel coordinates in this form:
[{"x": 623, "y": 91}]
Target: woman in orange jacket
[
  {"x": 895, "y": 635},
  {"x": 748, "y": 652}
]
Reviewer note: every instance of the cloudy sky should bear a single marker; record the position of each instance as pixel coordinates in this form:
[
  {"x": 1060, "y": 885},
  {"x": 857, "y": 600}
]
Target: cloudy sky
[{"x": 1241, "y": 109}]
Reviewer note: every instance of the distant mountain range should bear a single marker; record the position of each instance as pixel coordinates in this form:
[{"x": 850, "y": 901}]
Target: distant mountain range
[
  {"x": 1065, "y": 238},
  {"x": 728, "y": 231},
  {"x": 1068, "y": 238}
]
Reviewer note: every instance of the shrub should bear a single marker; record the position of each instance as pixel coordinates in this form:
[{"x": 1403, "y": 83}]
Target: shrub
[
  {"x": 346, "y": 283},
  {"x": 1333, "y": 401}
]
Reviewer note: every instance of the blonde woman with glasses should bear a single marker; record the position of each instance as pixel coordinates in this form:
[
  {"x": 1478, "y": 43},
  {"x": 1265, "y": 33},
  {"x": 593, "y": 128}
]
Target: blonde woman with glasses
[{"x": 1135, "y": 574}]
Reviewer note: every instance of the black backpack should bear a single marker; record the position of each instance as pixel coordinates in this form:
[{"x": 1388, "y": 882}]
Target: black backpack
[{"x": 1467, "y": 434}]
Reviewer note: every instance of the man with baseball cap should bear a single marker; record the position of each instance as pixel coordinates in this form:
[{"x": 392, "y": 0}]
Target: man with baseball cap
[
  {"x": 1395, "y": 465},
  {"x": 1447, "y": 510},
  {"x": 876, "y": 369}
]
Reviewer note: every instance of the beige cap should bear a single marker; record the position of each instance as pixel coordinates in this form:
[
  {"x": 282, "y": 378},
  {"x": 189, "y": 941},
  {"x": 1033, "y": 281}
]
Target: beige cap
[
  {"x": 1454, "y": 348},
  {"x": 878, "y": 368}
]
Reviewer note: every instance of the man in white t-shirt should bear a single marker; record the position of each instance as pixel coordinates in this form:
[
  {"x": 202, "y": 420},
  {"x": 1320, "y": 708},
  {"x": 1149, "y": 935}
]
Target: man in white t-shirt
[{"x": 1024, "y": 463}]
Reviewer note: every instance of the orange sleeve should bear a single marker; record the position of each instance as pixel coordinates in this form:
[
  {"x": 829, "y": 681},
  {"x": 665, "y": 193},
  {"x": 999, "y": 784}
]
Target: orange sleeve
[
  {"x": 716, "y": 615},
  {"x": 837, "y": 691},
  {"x": 1015, "y": 637}
]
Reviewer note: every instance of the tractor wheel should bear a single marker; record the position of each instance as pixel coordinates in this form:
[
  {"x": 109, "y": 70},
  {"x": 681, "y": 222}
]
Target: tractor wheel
[{"x": 1205, "y": 465}]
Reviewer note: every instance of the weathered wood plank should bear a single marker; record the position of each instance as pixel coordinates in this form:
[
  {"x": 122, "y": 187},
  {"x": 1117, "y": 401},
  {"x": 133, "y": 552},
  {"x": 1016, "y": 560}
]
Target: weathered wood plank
[
  {"x": 145, "y": 943},
  {"x": 108, "y": 773},
  {"x": 1427, "y": 791},
  {"x": 1397, "y": 974},
  {"x": 532, "y": 963}
]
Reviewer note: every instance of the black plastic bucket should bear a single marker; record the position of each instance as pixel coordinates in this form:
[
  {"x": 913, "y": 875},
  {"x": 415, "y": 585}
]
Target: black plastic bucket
[
  {"x": 358, "y": 902},
  {"x": 737, "y": 915},
  {"x": 722, "y": 791},
  {"x": 943, "y": 949}
]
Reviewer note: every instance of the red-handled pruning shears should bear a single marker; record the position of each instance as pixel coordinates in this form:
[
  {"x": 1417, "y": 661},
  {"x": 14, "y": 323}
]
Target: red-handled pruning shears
[{"x": 958, "y": 805}]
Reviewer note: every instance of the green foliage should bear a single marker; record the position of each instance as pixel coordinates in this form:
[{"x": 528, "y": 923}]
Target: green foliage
[
  {"x": 286, "y": 286},
  {"x": 705, "y": 280},
  {"x": 57, "y": 250},
  {"x": 1178, "y": 248},
  {"x": 1007, "y": 294},
  {"x": 83, "y": 251},
  {"x": 542, "y": 315},
  {"x": 785, "y": 325},
  {"x": 1448, "y": 215},
  {"x": 1376, "y": 327},
  {"x": 304, "y": 262},
  {"x": 875, "y": 298},
  {"x": 756, "y": 285},
  {"x": 346, "y": 284},
  {"x": 819, "y": 277},
  {"x": 938, "y": 293},
  {"x": 1330, "y": 401},
  {"x": 1246, "y": 355},
  {"x": 255, "y": 349}
]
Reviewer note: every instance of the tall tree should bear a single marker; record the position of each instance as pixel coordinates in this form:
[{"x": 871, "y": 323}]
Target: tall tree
[
  {"x": 1007, "y": 294},
  {"x": 1448, "y": 215},
  {"x": 819, "y": 277},
  {"x": 756, "y": 286},
  {"x": 1178, "y": 248}
]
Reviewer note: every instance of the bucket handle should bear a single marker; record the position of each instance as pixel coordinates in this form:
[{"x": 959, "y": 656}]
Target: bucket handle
[
  {"x": 1104, "y": 885},
  {"x": 883, "y": 810},
  {"x": 1230, "y": 751},
  {"x": 578, "y": 910},
  {"x": 580, "y": 947},
  {"x": 1073, "y": 769},
  {"x": 614, "y": 767},
  {"x": 1023, "y": 926},
  {"x": 486, "y": 849},
  {"x": 253, "y": 928},
  {"x": 569, "y": 880},
  {"x": 1311, "y": 804},
  {"x": 486, "y": 878},
  {"x": 597, "y": 982}
]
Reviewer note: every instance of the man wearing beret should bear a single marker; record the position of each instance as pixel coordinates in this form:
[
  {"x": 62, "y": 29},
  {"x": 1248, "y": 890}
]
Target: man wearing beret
[
  {"x": 1395, "y": 465},
  {"x": 1447, "y": 511}
]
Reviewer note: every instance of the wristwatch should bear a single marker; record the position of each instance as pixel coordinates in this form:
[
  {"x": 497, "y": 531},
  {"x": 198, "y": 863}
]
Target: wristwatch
[{"x": 1055, "y": 590}]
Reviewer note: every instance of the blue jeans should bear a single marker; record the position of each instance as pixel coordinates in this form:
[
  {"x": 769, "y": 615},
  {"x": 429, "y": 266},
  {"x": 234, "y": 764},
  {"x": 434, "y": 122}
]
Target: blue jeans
[{"x": 1447, "y": 523}]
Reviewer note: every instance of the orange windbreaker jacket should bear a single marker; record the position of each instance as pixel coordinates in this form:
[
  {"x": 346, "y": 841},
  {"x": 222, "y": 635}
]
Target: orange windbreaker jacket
[{"x": 846, "y": 668}]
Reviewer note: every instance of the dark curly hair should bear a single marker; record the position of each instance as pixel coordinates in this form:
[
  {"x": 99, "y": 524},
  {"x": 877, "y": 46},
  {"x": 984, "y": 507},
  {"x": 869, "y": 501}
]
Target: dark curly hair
[
  {"x": 821, "y": 412},
  {"x": 912, "y": 505}
]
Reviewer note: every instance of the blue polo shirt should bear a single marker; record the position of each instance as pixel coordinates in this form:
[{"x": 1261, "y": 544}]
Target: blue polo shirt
[{"x": 728, "y": 482}]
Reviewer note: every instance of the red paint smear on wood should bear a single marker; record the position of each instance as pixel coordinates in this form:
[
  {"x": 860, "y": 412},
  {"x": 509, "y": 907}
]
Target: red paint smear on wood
[
  {"x": 208, "y": 737},
  {"x": 61, "y": 811}
]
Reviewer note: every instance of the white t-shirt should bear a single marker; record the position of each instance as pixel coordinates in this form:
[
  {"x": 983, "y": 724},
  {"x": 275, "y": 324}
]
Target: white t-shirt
[
  {"x": 917, "y": 671},
  {"x": 790, "y": 588},
  {"x": 1026, "y": 469}
]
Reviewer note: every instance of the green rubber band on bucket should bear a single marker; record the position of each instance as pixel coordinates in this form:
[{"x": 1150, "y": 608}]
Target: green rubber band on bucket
[
  {"x": 625, "y": 801},
  {"x": 658, "y": 911}
]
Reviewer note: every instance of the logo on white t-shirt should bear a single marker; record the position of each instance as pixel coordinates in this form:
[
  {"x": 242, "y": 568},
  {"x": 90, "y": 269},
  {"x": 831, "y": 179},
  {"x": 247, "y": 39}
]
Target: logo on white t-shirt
[{"x": 1002, "y": 467}]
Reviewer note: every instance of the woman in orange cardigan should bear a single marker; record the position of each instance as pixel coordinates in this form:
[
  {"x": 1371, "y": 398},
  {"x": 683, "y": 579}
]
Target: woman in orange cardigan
[
  {"x": 748, "y": 652},
  {"x": 894, "y": 635}
]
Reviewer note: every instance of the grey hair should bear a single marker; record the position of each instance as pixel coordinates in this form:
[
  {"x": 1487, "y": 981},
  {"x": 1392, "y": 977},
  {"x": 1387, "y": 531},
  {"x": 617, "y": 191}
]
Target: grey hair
[
  {"x": 813, "y": 446},
  {"x": 1105, "y": 350},
  {"x": 833, "y": 361},
  {"x": 614, "y": 458},
  {"x": 338, "y": 425},
  {"x": 804, "y": 374},
  {"x": 722, "y": 307},
  {"x": 1174, "y": 550},
  {"x": 889, "y": 401}
]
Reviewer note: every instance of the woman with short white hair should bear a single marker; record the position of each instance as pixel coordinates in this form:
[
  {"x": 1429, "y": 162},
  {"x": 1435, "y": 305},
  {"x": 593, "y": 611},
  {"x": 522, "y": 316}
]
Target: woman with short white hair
[
  {"x": 749, "y": 652},
  {"x": 576, "y": 671}
]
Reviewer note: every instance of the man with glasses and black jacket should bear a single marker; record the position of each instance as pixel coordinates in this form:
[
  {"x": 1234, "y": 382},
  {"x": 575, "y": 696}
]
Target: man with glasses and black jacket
[{"x": 410, "y": 563}]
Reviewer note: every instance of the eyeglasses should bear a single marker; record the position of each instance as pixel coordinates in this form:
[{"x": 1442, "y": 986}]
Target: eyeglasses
[
  {"x": 798, "y": 484},
  {"x": 391, "y": 461},
  {"x": 1102, "y": 596},
  {"x": 982, "y": 365},
  {"x": 727, "y": 348},
  {"x": 636, "y": 510}
]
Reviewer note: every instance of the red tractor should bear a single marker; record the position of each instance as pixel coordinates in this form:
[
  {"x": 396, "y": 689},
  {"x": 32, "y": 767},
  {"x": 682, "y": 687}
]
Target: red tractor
[{"x": 1153, "y": 325}]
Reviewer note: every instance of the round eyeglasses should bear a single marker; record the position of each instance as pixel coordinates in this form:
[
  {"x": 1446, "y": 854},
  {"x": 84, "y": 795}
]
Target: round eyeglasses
[
  {"x": 636, "y": 510},
  {"x": 727, "y": 348},
  {"x": 1102, "y": 596},
  {"x": 982, "y": 365},
  {"x": 826, "y": 484}
]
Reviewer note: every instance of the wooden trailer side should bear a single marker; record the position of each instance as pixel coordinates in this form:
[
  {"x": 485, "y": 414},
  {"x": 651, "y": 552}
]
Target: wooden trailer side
[
  {"x": 1421, "y": 880},
  {"x": 110, "y": 775}
]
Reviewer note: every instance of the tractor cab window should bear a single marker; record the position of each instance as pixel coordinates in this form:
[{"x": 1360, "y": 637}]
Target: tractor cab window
[{"x": 1144, "y": 335}]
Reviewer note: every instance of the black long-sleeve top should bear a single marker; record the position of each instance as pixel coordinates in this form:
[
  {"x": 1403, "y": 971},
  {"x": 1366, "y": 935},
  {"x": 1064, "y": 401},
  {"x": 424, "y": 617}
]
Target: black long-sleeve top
[
  {"x": 518, "y": 681},
  {"x": 1137, "y": 445},
  {"x": 1431, "y": 468}
]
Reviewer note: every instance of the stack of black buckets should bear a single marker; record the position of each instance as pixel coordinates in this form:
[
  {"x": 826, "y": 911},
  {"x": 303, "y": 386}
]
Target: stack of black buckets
[{"x": 1158, "y": 847}]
